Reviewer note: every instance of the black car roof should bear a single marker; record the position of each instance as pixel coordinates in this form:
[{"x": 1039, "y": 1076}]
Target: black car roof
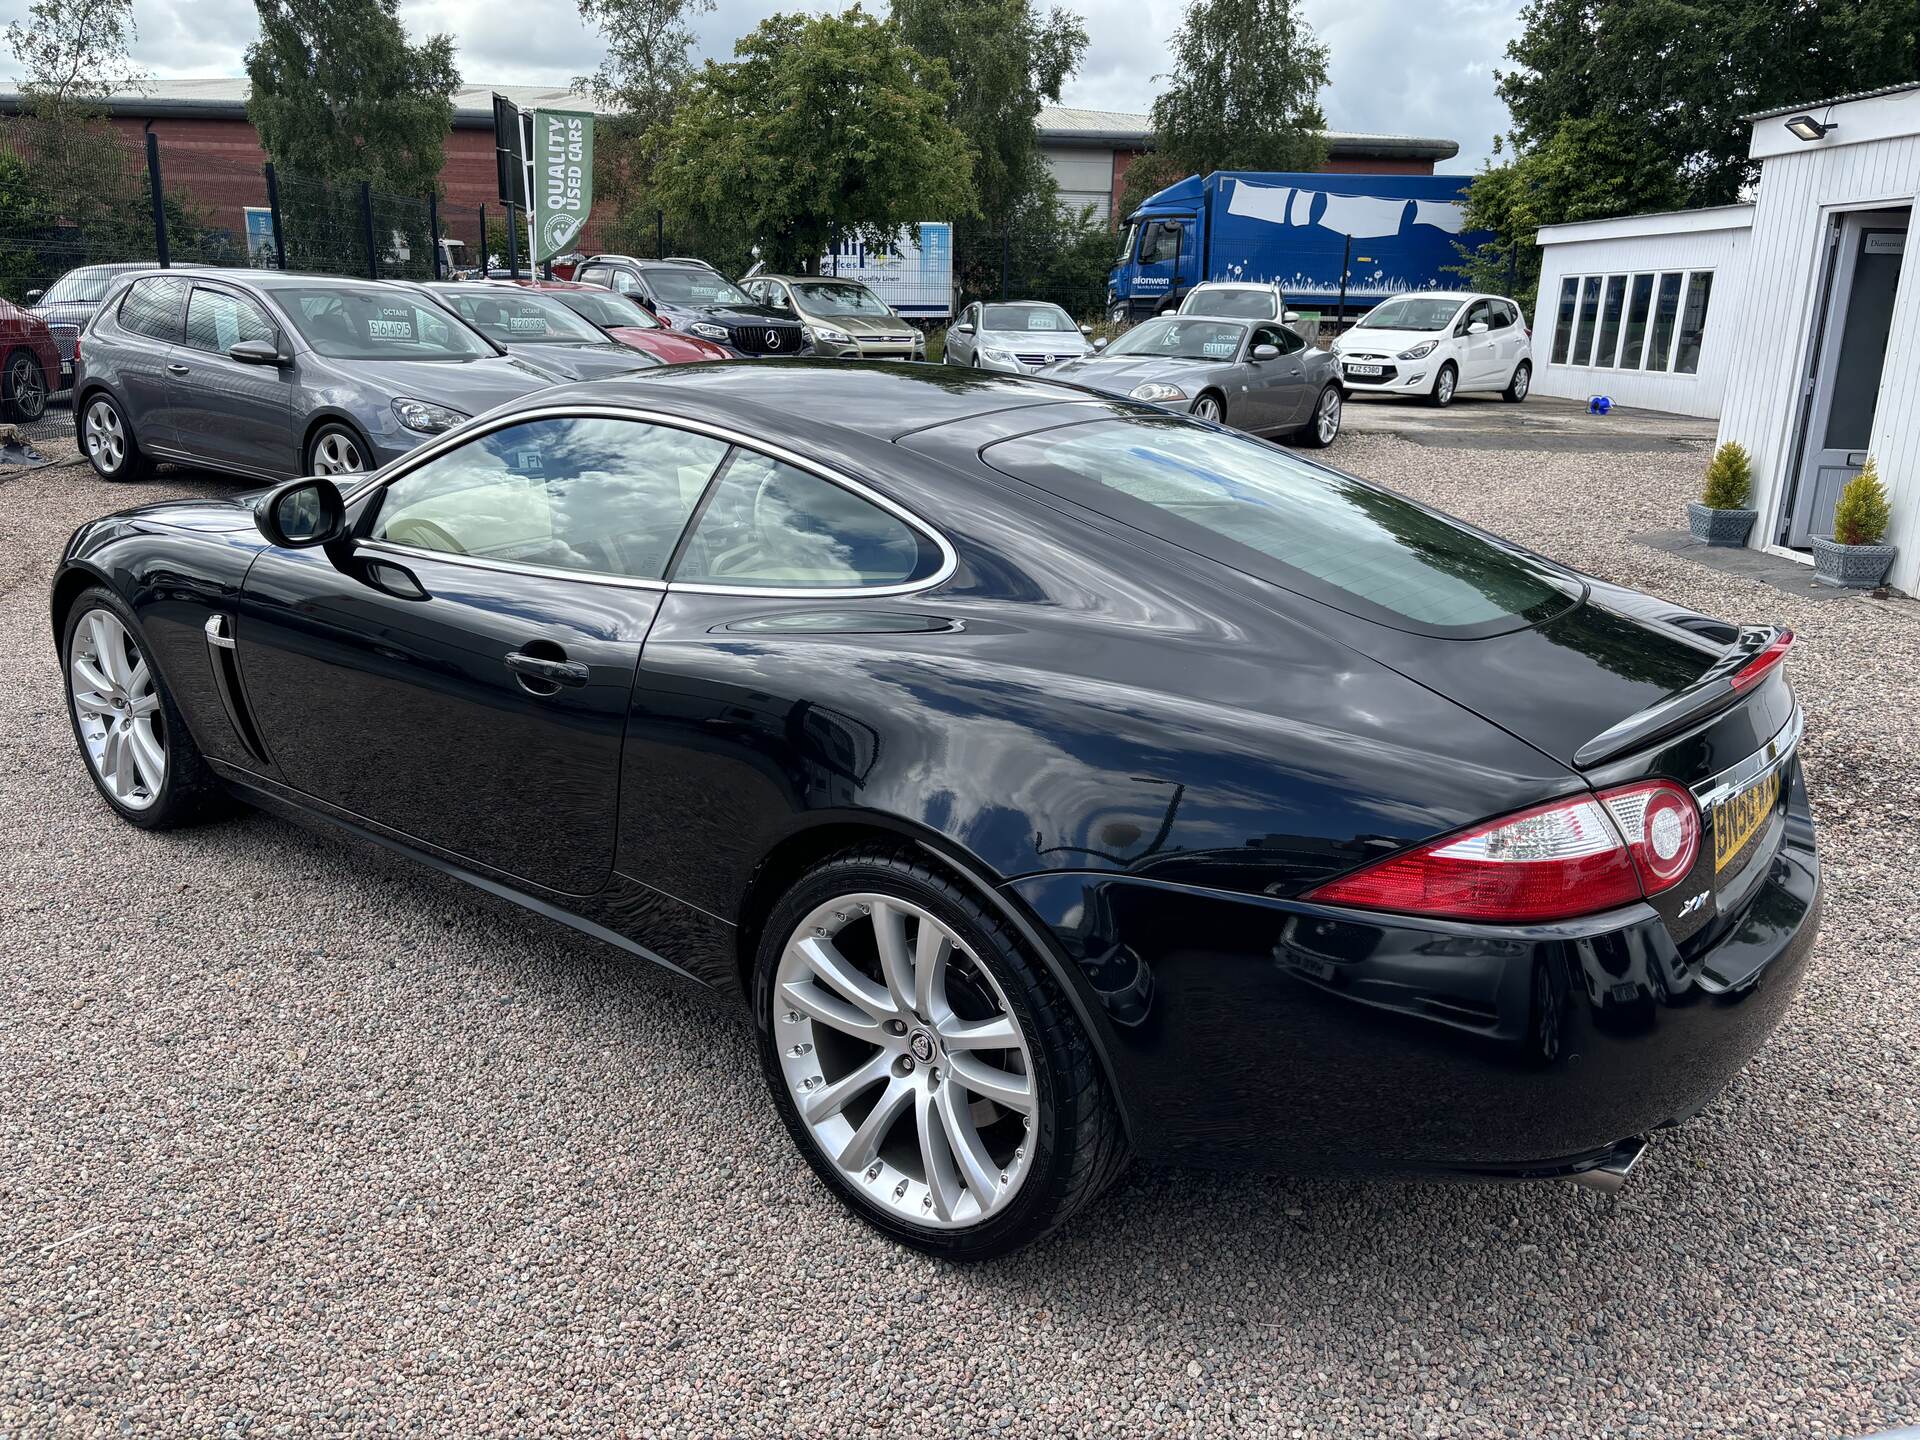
[{"x": 876, "y": 399}]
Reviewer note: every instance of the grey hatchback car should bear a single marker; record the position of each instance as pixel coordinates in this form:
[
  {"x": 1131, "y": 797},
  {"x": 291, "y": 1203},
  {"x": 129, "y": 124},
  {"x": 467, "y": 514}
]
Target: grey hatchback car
[{"x": 271, "y": 375}]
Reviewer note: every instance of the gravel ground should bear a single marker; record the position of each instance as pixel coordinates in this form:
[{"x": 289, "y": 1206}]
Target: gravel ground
[{"x": 298, "y": 1139}]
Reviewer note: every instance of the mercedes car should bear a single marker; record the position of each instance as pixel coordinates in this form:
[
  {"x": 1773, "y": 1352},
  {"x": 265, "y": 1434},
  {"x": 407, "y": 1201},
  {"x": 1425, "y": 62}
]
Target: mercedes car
[
  {"x": 692, "y": 296},
  {"x": 1044, "y": 778}
]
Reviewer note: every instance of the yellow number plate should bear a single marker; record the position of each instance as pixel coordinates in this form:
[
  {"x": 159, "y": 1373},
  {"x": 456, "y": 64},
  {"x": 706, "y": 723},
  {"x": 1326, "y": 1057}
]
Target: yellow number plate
[{"x": 1735, "y": 820}]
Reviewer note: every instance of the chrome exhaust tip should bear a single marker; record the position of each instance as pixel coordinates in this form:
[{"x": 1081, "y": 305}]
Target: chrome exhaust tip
[{"x": 1611, "y": 1173}]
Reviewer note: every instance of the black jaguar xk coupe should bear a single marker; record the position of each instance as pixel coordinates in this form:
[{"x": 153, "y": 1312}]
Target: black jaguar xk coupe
[{"x": 1049, "y": 778}]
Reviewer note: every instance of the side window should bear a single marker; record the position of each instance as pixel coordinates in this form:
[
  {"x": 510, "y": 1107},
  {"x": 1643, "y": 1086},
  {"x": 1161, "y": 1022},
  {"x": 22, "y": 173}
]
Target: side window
[
  {"x": 1288, "y": 342},
  {"x": 1499, "y": 315},
  {"x": 624, "y": 282},
  {"x": 595, "y": 275},
  {"x": 152, "y": 308},
  {"x": 1476, "y": 315},
  {"x": 777, "y": 296},
  {"x": 218, "y": 321},
  {"x": 1160, "y": 241},
  {"x": 771, "y": 525},
  {"x": 605, "y": 497}
]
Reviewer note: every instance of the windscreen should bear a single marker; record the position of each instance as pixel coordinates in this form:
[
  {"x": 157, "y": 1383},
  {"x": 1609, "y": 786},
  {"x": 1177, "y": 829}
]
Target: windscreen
[
  {"x": 1247, "y": 304},
  {"x": 1251, "y": 506},
  {"x": 1176, "y": 337},
  {"x": 841, "y": 298},
  {"x": 1048, "y": 319},
  {"x": 1408, "y": 313},
  {"x": 694, "y": 287},
  {"x": 517, "y": 318},
  {"x": 80, "y": 287},
  {"x": 382, "y": 323},
  {"x": 606, "y": 309}
]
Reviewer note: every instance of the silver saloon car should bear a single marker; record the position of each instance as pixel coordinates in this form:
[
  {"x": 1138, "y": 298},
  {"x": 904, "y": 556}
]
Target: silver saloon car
[
  {"x": 1257, "y": 376},
  {"x": 271, "y": 375},
  {"x": 1022, "y": 337}
]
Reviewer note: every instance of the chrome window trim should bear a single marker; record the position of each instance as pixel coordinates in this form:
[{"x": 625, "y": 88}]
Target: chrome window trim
[
  {"x": 1742, "y": 773},
  {"x": 364, "y": 496}
]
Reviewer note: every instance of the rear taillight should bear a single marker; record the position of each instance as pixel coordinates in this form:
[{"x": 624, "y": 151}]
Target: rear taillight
[
  {"x": 1550, "y": 862},
  {"x": 1764, "y": 663},
  {"x": 76, "y": 349}
]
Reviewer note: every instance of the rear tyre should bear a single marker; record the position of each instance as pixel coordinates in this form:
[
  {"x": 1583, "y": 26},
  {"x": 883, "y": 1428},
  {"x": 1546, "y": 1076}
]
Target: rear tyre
[
  {"x": 108, "y": 441},
  {"x": 926, "y": 1065},
  {"x": 1521, "y": 382},
  {"x": 337, "y": 450},
  {"x": 134, "y": 743},
  {"x": 1324, "y": 428},
  {"x": 26, "y": 387},
  {"x": 1211, "y": 408},
  {"x": 1444, "y": 383}
]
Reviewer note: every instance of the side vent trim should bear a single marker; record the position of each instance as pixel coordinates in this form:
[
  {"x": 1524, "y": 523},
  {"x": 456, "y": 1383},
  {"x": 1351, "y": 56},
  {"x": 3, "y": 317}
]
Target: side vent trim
[{"x": 226, "y": 677}]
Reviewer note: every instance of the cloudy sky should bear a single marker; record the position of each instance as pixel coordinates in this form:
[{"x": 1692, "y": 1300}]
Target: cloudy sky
[{"x": 1421, "y": 67}]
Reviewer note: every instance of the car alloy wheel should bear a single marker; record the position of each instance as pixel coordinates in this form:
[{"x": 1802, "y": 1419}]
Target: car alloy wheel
[
  {"x": 1522, "y": 382},
  {"x": 336, "y": 453},
  {"x": 1443, "y": 386},
  {"x": 116, "y": 707},
  {"x": 904, "y": 1061},
  {"x": 1207, "y": 407},
  {"x": 1326, "y": 416},
  {"x": 106, "y": 436},
  {"x": 27, "y": 387}
]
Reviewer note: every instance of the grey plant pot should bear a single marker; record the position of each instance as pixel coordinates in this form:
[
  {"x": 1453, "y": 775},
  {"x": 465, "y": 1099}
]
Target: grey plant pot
[
  {"x": 1853, "y": 567},
  {"x": 1719, "y": 527}
]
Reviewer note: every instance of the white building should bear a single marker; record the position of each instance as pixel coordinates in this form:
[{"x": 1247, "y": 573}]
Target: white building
[{"x": 1792, "y": 319}]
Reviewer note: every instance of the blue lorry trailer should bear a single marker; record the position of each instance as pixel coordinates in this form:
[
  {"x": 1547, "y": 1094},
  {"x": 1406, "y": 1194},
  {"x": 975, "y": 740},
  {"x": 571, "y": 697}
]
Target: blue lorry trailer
[{"x": 1324, "y": 238}]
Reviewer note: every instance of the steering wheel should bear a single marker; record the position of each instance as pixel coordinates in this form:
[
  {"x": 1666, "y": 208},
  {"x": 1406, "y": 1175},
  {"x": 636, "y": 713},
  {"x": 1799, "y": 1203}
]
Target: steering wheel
[{"x": 424, "y": 535}]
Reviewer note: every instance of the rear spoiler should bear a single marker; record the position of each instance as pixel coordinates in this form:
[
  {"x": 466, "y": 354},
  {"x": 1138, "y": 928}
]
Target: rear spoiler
[{"x": 1748, "y": 661}]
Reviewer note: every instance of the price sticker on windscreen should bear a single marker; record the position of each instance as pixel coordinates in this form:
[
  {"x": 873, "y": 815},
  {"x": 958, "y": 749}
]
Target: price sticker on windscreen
[{"x": 391, "y": 322}]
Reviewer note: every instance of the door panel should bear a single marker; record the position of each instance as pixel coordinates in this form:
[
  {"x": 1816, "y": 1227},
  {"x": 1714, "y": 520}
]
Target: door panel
[
  {"x": 1277, "y": 386},
  {"x": 148, "y": 334},
  {"x": 402, "y": 707},
  {"x": 1848, "y": 370},
  {"x": 224, "y": 411}
]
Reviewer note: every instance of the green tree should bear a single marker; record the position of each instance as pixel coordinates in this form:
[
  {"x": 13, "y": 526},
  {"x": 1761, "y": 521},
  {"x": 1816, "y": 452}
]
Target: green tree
[
  {"x": 339, "y": 93},
  {"x": 1006, "y": 60},
  {"x": 1684, "y": 72},
  {"x": 75, "y": 52},
  {"x": 1585, "y": 170},
  {"x": 821, "y": 126},
  {"x": 1243, "y": 95}
]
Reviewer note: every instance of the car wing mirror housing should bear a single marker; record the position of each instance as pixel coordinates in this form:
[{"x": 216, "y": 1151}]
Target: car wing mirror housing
[
  {"x": 1290, "y": 316},
  {"x": 1478, "y": 327},
  {"x": 1100, "y": 342},
  {"x": 257, "y": 352},
  {"x": 963, "y": 328},
  {"x": 33, "y": 296},
  {"x": 1086, "y": 329},
  {"x": 301, "y": 514},
  {"x": 1266, "y": 352}
]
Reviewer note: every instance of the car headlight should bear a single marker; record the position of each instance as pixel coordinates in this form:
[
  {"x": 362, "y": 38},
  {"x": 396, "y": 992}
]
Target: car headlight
[
  {"x": 823, "y": 334},
  {"x": 1420, "y": 351},
  {"x": 425, "y": 417},
  {"x": 706, "y": 328},
  {"x": 1158, "y": 391},
  {"x": 1002, "y": 356}
]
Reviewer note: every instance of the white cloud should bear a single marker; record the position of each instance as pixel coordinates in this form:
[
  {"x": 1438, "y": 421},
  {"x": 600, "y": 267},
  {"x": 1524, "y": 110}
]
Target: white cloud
[{"x": 1421, "y": 67}]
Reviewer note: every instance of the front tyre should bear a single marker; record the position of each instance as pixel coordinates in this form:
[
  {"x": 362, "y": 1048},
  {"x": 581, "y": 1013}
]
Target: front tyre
[
  {"x": 1521, "y": 382},
  {"x": 131, "y": 735},
  {"x": 1324, "y": 428},
  {"x": 928, "y": 1068},
  {"x": 337, "y": 450},
  {"x": 1211, "y": 408},
  {"x": 1444, "y": 385}
]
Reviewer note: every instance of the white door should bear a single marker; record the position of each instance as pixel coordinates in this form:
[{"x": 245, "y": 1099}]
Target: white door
[
  {"x": 1852, "y": 350},
  {"x": 1479, "y": 354}
]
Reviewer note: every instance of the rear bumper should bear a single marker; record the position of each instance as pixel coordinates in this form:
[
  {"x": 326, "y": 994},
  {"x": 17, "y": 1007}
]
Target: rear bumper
[{"x": 1270, "y": 1034}]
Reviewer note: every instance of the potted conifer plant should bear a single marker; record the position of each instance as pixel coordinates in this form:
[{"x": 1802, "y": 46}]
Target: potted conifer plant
[
  {"x": 1854, "y": 556},
  {"x": 1720, "y": 516}
]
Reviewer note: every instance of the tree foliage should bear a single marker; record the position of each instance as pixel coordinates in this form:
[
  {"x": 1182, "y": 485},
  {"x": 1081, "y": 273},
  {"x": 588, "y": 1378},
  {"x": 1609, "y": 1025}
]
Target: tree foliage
[
  {"x": 75, "y": 51},
  {"x": 1005, "y": 60},
  {"x": 339, "y": 93},
  {"x": 1861, "y": 515},
  {"x": 1684, "y": 72},
  {"x": 1729, "y": 478},
  {"x": 1244, "y": 92},
  {"x": 821, "y": 126}
]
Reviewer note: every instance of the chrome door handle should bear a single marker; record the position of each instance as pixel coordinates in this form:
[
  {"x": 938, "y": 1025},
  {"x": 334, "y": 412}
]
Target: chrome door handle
[
  {"x": 176, "y": 368},
  {"x": 554, "y": 672}
]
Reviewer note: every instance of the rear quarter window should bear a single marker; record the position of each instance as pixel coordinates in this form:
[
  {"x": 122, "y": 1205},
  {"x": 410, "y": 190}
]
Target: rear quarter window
[{"x": 1355, "y": 546}]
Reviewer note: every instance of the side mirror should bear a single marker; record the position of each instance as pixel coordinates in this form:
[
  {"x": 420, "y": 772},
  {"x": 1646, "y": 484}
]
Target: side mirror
[
  {"x": 963, "y": 328},
  {"x": 1266, "y": 352},
  {"x": 256, "y": 352},
  {"x": 1100, "y": 342},
  {"x": 1478, "y": 327},
  {"x": 1086, "y": 329},
  {"x": 33, "y": 296},
  {"x": 1290, "y": 317},
  {"x": 302, "y": 513}
]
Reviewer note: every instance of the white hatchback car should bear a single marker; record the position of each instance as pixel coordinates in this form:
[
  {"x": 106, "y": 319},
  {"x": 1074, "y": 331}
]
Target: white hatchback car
[
  {"x": 1237, "y": 299},
  {"x": 1436, "y": 344}
]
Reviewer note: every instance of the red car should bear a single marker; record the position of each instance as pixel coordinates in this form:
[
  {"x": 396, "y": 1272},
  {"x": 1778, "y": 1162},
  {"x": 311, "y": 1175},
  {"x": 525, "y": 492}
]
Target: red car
[
  {"x": 29, "y": 364},
  {"x": 627, "y": 320}
]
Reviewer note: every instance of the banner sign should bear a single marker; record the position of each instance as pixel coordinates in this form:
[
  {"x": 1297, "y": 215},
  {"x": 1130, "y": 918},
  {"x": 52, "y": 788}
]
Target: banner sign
[
  {"x": 562, "y": 179},
  {"x": 914, "y": 274}
]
